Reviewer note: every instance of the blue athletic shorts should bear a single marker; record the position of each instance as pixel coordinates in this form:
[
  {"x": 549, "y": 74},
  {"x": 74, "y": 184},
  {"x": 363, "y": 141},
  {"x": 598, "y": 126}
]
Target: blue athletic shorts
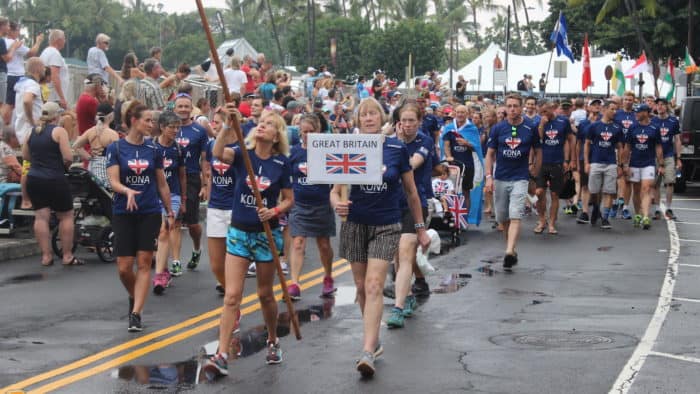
[{"x": 253, "y": 246}]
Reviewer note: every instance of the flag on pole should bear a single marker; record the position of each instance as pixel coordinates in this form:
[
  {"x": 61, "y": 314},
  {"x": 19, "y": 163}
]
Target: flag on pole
[
  {"x": 689, "y": 63},
  {"x": 640, "y": 66},
  {"x": 618, "y": 79},
  {"x": 586, "y": 78},
  {"x": 559, "y": 38},
  {"x": 669, "y": 78}
]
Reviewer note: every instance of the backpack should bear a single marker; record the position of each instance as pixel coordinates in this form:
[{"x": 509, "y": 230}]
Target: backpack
[{"x": 521, "y": 85}]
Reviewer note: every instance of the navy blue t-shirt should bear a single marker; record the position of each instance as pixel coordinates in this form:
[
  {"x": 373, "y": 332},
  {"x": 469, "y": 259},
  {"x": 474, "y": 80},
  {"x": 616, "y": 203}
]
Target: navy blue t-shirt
[
  {"x": 272, "y": 174},
  {"x": 604, "y": 137},
  {"x": 172, "y": 162},
  {"x": 581, "y": 135},
  {"x": 378, "y": 205},
  {"x": 247, "y": 126},
  {"x": 193, "y": 141},
  {"x": 513, "y": 151},
  {"x": 137, "y": 171},
  {"x": 668, "y": 128},
  {"x": 422, "y": 145},
  {"x": 222, "y": 180},
  {"x": 555, "y": 134},
  {"x": 304, "y": 191},
  {"x": 534, "y": 119},
  {"x": 642, "y": 141},
  {"x": 460, "y": 153},
  {"x": 626, "y": 120}
]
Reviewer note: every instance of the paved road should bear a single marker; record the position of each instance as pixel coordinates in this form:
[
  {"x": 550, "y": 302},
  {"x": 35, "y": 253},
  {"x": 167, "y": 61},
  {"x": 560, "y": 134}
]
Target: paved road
[{"x": 574, "y": 317}]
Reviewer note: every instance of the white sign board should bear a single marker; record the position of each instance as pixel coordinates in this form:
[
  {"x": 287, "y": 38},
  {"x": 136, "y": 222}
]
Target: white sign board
[
  {"x": 347, "y": 159},
  {"x": 500, "y": 77},
  {"x": 559, "y": 69}
]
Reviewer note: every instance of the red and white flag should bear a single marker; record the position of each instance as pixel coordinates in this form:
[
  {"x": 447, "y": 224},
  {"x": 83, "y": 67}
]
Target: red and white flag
[
  {"x": 640, "y": 66},
  {"x": 586, "y": 78}
]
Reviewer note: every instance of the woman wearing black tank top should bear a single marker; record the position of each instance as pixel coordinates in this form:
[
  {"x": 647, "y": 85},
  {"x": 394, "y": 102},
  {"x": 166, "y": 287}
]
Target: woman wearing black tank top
[{"x": 48, "y": 149}]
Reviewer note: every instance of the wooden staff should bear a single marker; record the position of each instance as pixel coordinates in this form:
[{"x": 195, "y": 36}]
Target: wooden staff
[{"x": 249, "y": 169}]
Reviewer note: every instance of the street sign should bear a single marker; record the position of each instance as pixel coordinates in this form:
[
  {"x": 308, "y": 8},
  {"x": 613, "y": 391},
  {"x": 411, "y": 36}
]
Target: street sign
[
  {"x": 608, "y": 72},
  {"x": 347, "y": 159},
  {"x": 559, "y": 69},
  {"x": 500, "y": 77}
]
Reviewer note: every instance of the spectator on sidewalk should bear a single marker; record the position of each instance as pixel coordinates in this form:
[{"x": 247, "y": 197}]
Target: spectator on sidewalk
[
  {"x": 52, "y": 58},
  {"x": 149, "y": 89},
  {"x": 15, "y": 67},
  {"x": 97, "y": 59}
]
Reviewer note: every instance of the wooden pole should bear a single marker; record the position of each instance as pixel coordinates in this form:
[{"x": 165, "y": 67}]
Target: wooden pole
[{"x": 251, "y": 175}]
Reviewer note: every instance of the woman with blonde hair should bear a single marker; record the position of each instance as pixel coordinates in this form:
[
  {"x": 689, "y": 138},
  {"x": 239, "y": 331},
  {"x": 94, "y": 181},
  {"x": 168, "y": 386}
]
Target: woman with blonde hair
[
  {"x": 98, "y": 137},
  {"x": 370, "y": 236},
  {"x": 267, "y": 147},
  {"x": 48, "y": 149}
]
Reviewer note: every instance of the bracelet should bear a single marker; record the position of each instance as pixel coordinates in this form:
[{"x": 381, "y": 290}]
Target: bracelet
[
  {"x": 419, "y": 226},
  {"x": 226, "y": 127},
  {"x": 489, "y": 176},
  {"x": 277, "y": 211}
]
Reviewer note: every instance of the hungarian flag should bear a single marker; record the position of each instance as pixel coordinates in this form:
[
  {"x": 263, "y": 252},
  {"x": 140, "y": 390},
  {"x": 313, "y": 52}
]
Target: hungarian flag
[
  {"x": 640, "y": 66},
  {"x": 670, "y": 79},
  {"x": 689, "y": 63},
  {"x": 586, "y": 79},
  {"x": 618, "y": 79}
]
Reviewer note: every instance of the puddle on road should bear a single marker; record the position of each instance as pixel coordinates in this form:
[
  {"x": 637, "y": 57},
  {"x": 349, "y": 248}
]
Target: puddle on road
[
  {"x": 22, "y": 279},
  {"x": 604, "y": 248},
  {"x": 452, "y": 283},
  {"x": 185, "y": 374}
]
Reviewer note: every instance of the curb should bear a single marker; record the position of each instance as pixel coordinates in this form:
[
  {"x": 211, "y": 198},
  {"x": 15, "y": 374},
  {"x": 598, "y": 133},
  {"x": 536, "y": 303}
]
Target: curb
[{"x": 17, "y": 248}]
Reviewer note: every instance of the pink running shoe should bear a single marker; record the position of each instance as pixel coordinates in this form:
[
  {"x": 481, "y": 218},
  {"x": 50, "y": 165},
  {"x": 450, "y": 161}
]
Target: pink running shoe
[
  {"x": 294, "y": 292},
  {"x": 328, "y": 286},
  {"x": 160, "y": 282}
]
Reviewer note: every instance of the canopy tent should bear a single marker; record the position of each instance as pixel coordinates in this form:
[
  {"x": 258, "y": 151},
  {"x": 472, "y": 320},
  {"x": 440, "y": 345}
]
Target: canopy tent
[{"x": 536, "y": 65}]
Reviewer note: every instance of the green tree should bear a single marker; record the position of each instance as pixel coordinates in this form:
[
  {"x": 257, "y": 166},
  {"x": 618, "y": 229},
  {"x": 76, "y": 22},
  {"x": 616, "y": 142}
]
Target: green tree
[{"x": 476, "y": 6}]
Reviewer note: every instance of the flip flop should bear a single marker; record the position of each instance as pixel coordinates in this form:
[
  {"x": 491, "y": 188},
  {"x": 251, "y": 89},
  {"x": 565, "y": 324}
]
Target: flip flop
[
  {"x": 47, "y": 264},
  {"x": 539, "y": 229},
  {"x": 553, "y": 231},
  {"x": 75, "y": 261}
]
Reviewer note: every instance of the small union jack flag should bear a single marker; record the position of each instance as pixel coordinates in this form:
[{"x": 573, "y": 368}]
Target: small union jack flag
[
  {"x": 456, "y": 205},
  {"x": 346, "y": 163}
]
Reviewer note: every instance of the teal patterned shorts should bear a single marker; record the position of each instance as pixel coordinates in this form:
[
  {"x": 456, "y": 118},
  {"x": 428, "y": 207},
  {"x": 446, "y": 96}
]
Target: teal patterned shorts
[{"x": 253, "y": 246}]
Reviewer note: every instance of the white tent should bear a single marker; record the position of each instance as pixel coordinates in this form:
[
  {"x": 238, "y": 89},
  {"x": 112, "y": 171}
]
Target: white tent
[{"x": 537, "y": 64}]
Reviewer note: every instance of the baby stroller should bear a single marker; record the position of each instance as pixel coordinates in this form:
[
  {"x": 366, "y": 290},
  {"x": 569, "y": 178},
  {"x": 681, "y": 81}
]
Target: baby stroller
[
  {"x": 92, "y": 213},
  {"x": 452, "y": 220}
]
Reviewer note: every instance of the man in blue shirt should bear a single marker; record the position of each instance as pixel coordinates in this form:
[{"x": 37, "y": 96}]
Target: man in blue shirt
[
  {"x": 513, "y": 144},
  {"x": 642, "y": 151},
  {"x": 193, "y": 140},
  {"x": 669, "y": 129},
  {"x": 557, "y": 142},
  {"x": 584, "y": 194},
  {"x": 626, "y": 119},
  {"x": 601, "y": 157},
  {"x": 530, "y": 112}
]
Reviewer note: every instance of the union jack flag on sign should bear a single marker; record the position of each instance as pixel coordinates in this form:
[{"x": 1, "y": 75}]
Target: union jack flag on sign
[
  {"x": 456, "y": 205},
  {"x": 346, "y": 163}
]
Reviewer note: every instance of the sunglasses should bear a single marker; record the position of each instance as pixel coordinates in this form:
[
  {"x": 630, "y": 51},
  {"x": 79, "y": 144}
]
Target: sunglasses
[{"x": 513, "y": 131}]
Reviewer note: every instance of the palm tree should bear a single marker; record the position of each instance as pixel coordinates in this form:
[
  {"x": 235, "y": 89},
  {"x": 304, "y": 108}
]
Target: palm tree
[
  {"x": 476, "y": 6},
  {"x": 410, "y": 9}
]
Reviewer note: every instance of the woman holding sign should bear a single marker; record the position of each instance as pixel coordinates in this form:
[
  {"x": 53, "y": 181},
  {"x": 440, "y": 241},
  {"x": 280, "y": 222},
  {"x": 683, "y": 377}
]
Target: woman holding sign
[
  {"x": 312, "y": 215},
  {"x": 267, "y": 146},
  {"x": 370, "y": 235}
]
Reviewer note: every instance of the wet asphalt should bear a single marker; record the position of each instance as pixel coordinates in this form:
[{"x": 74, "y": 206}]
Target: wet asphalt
[{"x": 567, "y": 320}]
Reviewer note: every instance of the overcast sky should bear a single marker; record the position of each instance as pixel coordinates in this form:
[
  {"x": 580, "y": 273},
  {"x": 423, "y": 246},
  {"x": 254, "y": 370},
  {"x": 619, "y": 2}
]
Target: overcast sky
[{"x": 180, "y": 6}]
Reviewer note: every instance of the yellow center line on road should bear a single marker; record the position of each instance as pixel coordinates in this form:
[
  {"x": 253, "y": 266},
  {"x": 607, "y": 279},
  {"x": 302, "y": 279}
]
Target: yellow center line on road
[
  {"x": 165, "y": 342},
  {"x": 143, "y": 339}
]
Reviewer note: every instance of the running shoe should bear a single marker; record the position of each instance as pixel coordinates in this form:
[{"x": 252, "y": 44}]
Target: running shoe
[
  {"x": 583, "y": 218},
  {"x": 637, "y": 220},
  {"x": 216, "y": 365},
  {"x": 646, "y": 223},
  {"x": 328, "y": 286},
  {"x": 605, "y": 224},
  {"x": 568, "y": 211},
  {"x": 285, "y": 268},
  {"x": 135, "y": 322},
  {"x": 420, "y": 289},
  {"x": 574, "y": 209},
  {"x": 613, "y": 210},
  {"x": 251, "y": 270},
  {"x": 194, "y": 260},
  {"x": 670, "y": 215},
  {"x": 396, "y": 319},
  {"x": 378, "y": 351},
  {"x": 220, "y": 289},
  {"x": 657, "y": 215},
  {"x": 160, "y": 282},
  {"x": 510, "y": 260},
  {"x": 294, "y": 292},
  {"x": 528, "y": 210},
  {"x": 626, "y": 214},
  {"x": 274, "y": 352},
  {"x": 595, "y": 214},
  {"x": 366, "y": 365},
  {"x": 409, "y": 306},
  {"x": 176, "y": 268}
]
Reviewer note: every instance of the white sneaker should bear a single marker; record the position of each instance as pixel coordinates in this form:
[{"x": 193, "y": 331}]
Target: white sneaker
[
  {"x": 251, "y": 270},
  {"x": 285, "y": 268}
]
